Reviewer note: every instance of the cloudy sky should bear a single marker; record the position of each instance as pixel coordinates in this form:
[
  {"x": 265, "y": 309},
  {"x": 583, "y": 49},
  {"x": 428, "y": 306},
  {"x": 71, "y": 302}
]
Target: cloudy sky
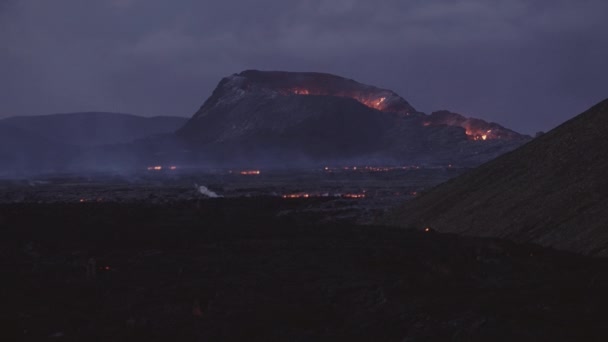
[{"x": 529, "y": 65}]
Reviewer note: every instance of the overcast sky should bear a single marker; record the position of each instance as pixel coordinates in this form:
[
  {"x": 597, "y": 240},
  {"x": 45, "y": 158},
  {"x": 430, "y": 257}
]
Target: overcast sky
[{"x": 528, "y": 65}]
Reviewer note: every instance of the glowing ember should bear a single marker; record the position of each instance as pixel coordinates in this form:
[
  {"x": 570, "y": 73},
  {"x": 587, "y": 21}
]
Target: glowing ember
[
  {"x": 297, "y": 195},
  {"x": 370, "y": 168},
  {"x": 173, "y": 168},
  {"x": 323, "y": 195},
  {"x": 427, "y": 229},
  {"x": 301, "y": 91},
  {"x": 481, "y": 135},
  {"x": 378, "y": 169},
  {"x": 353, "y": 196},
  {"x": 250, "y": 172}
]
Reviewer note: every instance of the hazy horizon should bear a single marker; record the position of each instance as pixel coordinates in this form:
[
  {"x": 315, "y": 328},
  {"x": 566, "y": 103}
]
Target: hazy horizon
[{"x": 528, "y": 67}]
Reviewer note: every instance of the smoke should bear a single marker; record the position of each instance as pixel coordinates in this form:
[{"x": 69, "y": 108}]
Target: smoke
[{"x": 205, "y": 191}]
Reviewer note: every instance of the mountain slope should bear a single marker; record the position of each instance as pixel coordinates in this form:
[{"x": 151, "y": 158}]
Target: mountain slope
[
  {"x": 552, "y": 191},
  {"x": 260, "y": 115},
  {"x": 94, "y": 128}
]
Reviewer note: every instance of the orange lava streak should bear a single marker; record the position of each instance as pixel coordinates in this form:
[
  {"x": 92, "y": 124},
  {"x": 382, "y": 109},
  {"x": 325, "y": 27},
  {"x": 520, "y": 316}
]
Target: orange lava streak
[
  {"x": 250, "y": 172},
  {"x": 376, "y": 103}
]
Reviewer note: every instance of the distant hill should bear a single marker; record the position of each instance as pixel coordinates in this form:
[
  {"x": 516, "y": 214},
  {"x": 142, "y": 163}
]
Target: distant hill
[
  {"x": 94, "y": 128},
  {"x": 23, "y": 152},
  {"x": 288, "y": 117},
  {"x": 552, "y": 191},
  {"x": 76, "y": 141}
]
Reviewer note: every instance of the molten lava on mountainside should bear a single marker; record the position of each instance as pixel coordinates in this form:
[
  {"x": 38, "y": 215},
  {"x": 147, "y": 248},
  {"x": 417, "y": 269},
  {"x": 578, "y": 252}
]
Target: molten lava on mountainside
[
  {"x": 371, "y": 100},
  {"x": 475, "y": 129}
]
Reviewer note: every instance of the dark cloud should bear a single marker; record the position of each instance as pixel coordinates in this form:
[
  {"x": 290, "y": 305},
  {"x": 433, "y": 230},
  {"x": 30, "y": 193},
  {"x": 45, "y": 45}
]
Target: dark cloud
[{"x": 528, "y": 65}]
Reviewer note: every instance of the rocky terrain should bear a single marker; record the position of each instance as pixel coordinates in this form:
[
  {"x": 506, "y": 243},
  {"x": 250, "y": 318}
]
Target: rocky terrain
[
  {"x": 234, "y": 269},
  {"x": 552, "y": 191},
  {"x": 356, "y": 194},
  {"x": 283, "y": 255},
  {"x": 294, "y": 118}
]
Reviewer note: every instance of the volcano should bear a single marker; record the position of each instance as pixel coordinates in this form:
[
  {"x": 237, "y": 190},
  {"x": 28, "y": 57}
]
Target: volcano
[
  {"x": 290, "y": 117},
  {"x": 551, "y": 191}
]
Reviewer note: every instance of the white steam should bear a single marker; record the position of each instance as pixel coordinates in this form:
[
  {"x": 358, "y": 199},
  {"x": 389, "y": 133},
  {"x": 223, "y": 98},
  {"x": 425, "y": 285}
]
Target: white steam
[{"x": 205, "y": 191}]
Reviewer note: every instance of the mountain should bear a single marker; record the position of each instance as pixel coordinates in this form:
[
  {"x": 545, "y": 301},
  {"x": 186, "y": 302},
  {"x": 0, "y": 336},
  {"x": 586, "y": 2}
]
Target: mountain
[
  {"x": 81, "y": 141},
  {"x": 94, "y": 128},
  {"x": 552, "y": 191},
  {"x": 264, "y": 119},
  {"x": 292, "y": 117}
]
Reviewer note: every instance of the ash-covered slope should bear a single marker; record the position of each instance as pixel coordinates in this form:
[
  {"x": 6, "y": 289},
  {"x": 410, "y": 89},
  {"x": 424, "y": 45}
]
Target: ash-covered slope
[
  {"x": 552, "y": 191},
  {"x": 314, "y": 117}
]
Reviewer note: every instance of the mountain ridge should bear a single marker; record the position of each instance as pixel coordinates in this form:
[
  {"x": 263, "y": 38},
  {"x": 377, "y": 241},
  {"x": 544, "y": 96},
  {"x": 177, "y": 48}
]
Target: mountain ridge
[
  {"x": 262, "y": 110},
  {"x": 551, "y": 191}
]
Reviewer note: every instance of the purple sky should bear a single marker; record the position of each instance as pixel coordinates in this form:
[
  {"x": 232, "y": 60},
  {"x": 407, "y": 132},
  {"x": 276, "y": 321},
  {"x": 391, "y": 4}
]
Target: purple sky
[{"x": 528, "y": 65}]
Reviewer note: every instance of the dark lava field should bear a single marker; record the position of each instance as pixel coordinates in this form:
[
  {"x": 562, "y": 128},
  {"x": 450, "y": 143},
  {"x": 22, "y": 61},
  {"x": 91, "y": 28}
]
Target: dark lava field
[{"x": 153, "y": 260}]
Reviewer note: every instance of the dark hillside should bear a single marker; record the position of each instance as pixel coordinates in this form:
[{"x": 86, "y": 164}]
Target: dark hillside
[{"x": 552, "y": 191}]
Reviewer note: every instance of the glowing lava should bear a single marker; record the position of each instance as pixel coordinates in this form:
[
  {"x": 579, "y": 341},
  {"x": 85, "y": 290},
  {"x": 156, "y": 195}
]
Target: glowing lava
[
  {"x": 353, "y": 196},
  {"x": 296, "y": 195},
  {"x": 480, "y": 135},
  {"x": 250, "y": 172},
  {"x": 376, "y": 102},
  {"x": 475, "y": 129},
  {"x": 160, "y": 168}
]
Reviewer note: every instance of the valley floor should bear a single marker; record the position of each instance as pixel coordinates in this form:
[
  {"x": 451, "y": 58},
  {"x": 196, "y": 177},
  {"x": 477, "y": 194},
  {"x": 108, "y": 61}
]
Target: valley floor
[{"x": 261, "y": 269}]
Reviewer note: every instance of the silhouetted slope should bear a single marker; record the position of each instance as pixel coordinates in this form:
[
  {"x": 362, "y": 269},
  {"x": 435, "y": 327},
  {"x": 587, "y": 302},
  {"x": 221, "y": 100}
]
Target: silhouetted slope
[
  {"x": 253, "y": 269},
  {"x": 552, "y": 191},
  {"x": 287, "y": 116},
  {"x": 95, "y": 128}
]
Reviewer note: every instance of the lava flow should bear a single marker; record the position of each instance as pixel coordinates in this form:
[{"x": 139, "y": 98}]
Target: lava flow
[
  {"x": 373, "y": 101},
  {"x": 250, "y": 172},
  {"x": 480, "y": 135},
  {"x": 160, "y": 168}
]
